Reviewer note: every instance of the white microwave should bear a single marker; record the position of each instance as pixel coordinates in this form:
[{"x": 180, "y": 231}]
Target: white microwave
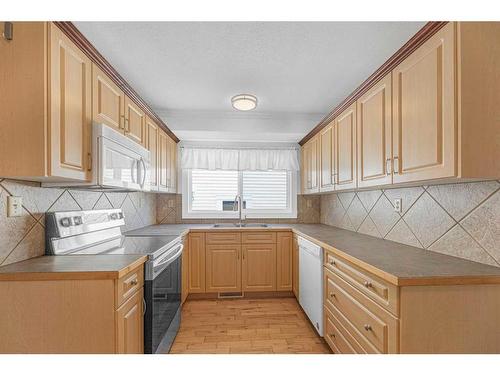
[{"x": 118, "y": 163}]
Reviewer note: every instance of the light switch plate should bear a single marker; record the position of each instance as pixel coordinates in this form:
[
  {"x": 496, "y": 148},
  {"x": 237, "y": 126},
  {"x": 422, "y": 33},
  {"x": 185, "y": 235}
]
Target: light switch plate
[
  {"x": 14, "y": 206},
  {"x": 398, "y": 205}
]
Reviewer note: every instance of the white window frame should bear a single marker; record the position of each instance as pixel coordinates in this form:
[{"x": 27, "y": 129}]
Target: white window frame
[{"x": 290, "y": 213}]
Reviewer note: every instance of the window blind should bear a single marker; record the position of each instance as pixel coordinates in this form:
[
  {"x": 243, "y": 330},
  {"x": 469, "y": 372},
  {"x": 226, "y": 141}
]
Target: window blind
[{"x": 265, "y": 190}]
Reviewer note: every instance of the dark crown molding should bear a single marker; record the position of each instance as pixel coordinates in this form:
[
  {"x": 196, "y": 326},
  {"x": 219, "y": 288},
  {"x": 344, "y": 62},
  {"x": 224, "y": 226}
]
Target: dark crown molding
[
  {"x": 429, "y": 29},
  {"x": 70, "y": 30}
]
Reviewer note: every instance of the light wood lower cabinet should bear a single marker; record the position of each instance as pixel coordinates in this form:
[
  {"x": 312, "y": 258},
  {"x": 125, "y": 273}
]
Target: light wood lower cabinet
[
  {"x": 284, "y": 276},
  {"x": 130, "y": 325},
  {"x": 196, "y": 261},
  {"x": 223, "y": 268},
  {"x": 65, "y": 315},
  {"x": 259, "y": 268},
  {"x": 365, "y": 314}
]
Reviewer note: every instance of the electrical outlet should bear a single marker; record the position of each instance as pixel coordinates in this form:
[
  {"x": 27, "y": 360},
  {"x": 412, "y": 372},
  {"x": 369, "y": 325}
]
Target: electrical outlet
[
  {"x": 14, "y": 206},
  {"x": 398, "y": 205}
]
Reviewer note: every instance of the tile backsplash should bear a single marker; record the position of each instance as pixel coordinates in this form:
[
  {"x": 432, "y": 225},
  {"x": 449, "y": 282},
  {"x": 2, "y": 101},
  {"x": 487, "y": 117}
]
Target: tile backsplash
[
  {"x": 169, "y": 211},
  {"x": 23, "y": 237},
  {"x": 462, "y": 220}
]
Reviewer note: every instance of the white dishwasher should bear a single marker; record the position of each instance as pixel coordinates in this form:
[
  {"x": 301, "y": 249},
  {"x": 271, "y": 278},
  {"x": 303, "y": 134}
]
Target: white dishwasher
[{"x": 311, "y": 282}]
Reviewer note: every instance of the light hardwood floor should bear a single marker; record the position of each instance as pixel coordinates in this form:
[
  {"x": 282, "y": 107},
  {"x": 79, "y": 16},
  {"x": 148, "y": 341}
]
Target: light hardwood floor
[{"x": 274, "y": 325}]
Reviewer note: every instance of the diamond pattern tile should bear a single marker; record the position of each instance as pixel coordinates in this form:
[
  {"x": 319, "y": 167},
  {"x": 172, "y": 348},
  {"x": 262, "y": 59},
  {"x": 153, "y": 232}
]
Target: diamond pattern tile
[
  {"x": 356, "y": 212},
  {"x": 368, "y": 227},
  {"x": 85, "y": 199},
  {"x": 460, "y": 199},
  {"x": 383, "y": 216},
  {"x": 428, "y": 220},
  {"x": 346, "y": 198},
  {"x": 369, "y": 198},
  {"x": 408, "y": 196},
  {"x": 403, "y": 234}
]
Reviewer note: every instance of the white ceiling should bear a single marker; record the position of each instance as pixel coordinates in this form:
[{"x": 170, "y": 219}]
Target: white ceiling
[{"x": 188, "y": 71}]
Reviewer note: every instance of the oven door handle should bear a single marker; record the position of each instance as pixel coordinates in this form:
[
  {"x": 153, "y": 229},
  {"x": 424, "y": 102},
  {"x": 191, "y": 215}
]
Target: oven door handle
[{"x": 169, "y": 258}]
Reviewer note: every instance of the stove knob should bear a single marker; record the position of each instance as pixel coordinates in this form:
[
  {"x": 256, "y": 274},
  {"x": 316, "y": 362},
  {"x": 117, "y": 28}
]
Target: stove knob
[
  {"x": 77, "y": 220},
  {"x": 66, "y": 222},
  {"x": 113, "y": 216}
]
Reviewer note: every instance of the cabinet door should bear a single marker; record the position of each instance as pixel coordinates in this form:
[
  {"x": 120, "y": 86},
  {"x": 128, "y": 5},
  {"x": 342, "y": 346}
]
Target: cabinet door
[
  {"x": 135, "y": 122},
  {"x": 374, "y": 123},
  {"x": 284, "y": 261},
  {"x": 70, "y": 109},
  {"x": 345, "y": 129},
  {"x": 196, "y": 263},
  {"x": 223, "y": 268},
  {"x": 130, "y": 325},
  {"x": 306, "y": 149},
  {"x": 162, "y": 161},
  {"x": 185, "y": 271},
  {"x": 259, "y": 268},
  {"x": 424, "y": 111},
  {"x": 153, "y": 146},
  {"x": 327, "y": 166},
  {"x": 314, "y": 165},
  {"x": 295, "y": 267},
  {"x": 171, "y": 165},
  {"x": 108, "y": 100}
]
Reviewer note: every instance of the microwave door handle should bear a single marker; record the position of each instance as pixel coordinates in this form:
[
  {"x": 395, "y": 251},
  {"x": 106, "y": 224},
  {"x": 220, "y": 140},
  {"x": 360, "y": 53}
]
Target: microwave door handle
[{"x": 144, "y": 172}]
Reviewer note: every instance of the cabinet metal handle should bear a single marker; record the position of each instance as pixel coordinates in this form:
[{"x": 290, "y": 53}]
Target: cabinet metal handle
[
  {"x": 8, "y": 30},
  {"x": 332, "y": 335},
  {"x": 332, "y": 295},
  {"x": 367, "y": 327},
  {"x": 388, "y": 167},
  {"x": 396, "y": 165},
  {"x": 332, "y": 262},
  {"x": 368, "y": 284},
  {"x": 89, "y": 162},
  {"x": 134, "y": 282}
]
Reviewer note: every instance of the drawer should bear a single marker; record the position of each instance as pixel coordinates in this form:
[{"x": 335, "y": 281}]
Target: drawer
[
  {"x": 223, "y": 238},
  {"x": 127, "y": 285},
  {"x": 258, "y": 237},
  {"x": 336, "y": 336},
  {"x": 380, "y": 291},
  {"x": 366, "y": 319}
]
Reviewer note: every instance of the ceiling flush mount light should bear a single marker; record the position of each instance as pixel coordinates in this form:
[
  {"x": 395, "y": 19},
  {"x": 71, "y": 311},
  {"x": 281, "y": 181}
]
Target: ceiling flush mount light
[{"x": 244, "y": 102}]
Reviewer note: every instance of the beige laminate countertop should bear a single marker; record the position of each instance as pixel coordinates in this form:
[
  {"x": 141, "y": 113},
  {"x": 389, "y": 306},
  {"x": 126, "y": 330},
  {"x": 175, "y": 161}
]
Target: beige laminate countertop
[
  {"x": 72, "y": 267},
  {"x": 394, "y": 262}
]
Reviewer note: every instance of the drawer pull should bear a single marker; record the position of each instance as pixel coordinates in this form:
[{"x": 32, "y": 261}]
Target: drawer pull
[
  {"x": 368, "y": 284},
  {"x": 332, "y": 295},
  {"x": 332, "y": 335},
  {"x": 332, "y": 262},
  {"x": 368, "y": 327},
  {"x": 134, "y": 282}
]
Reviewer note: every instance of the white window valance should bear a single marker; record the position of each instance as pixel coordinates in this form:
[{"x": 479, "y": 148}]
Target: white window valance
[{"x": 239, "y": 159}]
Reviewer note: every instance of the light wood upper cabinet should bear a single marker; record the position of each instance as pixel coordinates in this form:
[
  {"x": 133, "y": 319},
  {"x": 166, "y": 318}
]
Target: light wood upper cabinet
[
  {"x": 345, "y": 135},
  {"x": 162, "y": 161},
  {"x": 259, "y": 268},
  {"x": 223, "y": 268},
  {"x": 424, "y": 111},
  {"x": 374, "y": 123},
  {"x": 171, "y": 165},
  {"x": 310, "y": 164},
  {"x": 130, "y": 325},
  {"x": 135, "y": 121},
  {"x": 152, "y": 145},
  {"x": 284, "y": 261},
  {"x": 196, "y": 262},
  {"x": 327, "y": 159},
  {"x": 70, "y": 109},
  {"x": 108, "y": 100}
]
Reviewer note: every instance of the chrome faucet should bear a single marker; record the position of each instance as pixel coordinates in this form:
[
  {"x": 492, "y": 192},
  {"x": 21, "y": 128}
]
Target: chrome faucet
[{"x": 237, "y": 200}]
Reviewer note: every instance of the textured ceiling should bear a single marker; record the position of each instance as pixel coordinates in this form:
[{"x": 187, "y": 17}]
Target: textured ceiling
[{"x": 303, "y": 68}]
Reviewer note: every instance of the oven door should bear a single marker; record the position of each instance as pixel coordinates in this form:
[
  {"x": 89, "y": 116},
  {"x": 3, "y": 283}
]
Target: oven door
[{"x": 163, "y": 302}]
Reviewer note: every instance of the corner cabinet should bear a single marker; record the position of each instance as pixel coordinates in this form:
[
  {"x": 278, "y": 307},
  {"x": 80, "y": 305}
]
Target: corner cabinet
[
  {"x": 434, "y": 117},
  {"x": 310, "y": 163}
]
